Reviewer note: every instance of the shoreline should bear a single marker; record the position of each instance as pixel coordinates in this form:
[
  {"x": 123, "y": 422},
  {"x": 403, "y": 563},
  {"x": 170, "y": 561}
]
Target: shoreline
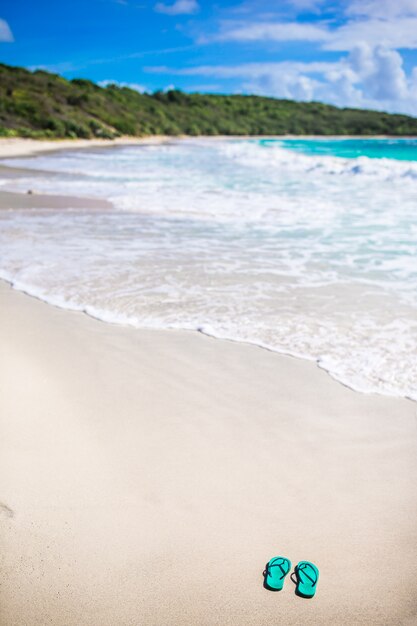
[
  {"x": 13, "y": 200},
  {"x": 62, "y": 203},
  {"x": 148, "y": 475},
  {"x": 129, "y": 457}
]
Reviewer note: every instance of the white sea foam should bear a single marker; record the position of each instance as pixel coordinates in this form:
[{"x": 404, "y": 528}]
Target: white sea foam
[{"x": 314, "y": 256}]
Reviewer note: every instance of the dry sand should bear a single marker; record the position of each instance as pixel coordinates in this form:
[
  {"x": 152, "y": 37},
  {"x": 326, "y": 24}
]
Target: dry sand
[
  {"x": 17, "y": 146},
  {"x": 147, "y": 476}
]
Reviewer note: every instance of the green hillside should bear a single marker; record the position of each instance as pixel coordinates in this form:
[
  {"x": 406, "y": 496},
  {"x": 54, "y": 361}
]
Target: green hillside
[{"x": 40, "y": 104}]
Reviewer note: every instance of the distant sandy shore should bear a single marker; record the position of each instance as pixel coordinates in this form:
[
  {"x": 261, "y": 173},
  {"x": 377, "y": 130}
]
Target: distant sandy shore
[
  {"x": 146, "y": 477},
  {"x": 18, "y": 146}
]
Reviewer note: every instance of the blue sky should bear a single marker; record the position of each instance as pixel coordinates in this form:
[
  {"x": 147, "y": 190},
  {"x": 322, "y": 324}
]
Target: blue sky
[{"x": 349, "y": 52}]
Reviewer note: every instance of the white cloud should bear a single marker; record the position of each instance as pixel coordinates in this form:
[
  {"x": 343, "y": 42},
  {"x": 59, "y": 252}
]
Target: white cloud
[
  {"x": 387, "y": 80},
  {"x": 279, "y": 7},
  {"x": 400, "y": 32},
  {"x": 275, "y": 31},
  {"x": 371, "y": 78},
  {"x": 413, "y": 84},
  {"x": 134, "y": 86},
  {"x": 5, "y": 31},
  {"x": 284, "y": 84},
  {"x": 382, "y": 8},
  {"x": 360, "y": 59},
  {"x": 245, "y": 70},
  {"x": 180, "y": 7}
]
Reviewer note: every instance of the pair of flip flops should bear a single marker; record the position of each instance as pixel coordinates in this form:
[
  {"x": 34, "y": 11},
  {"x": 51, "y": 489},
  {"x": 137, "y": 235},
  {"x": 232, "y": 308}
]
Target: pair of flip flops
[{"x": 306, "y": 573}]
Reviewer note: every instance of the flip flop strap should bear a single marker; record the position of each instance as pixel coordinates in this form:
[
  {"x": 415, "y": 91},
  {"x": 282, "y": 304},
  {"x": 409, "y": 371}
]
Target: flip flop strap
[
  {"x": 302, "y": 569},
  {"x": 284, "y": 573}
]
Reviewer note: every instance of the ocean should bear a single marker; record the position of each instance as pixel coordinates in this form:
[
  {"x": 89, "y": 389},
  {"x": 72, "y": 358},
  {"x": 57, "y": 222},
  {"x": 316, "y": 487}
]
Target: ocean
[{"x": 303, "y": 246}]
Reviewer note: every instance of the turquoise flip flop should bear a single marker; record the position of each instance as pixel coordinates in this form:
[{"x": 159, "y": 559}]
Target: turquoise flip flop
[
  {"x": 275, "y": 573},
  {"x": 307, "y": 577}
]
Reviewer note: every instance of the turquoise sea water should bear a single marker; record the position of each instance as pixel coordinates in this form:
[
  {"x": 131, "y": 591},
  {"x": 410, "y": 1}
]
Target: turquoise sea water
[
  {"x": 351, "y": 148},
  {"x": 305, "y": 246}
]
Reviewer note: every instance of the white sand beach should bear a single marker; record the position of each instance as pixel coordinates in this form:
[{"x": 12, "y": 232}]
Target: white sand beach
[
  {"x": 18, "y": 146},
  {"x": 148, "y": 476}
]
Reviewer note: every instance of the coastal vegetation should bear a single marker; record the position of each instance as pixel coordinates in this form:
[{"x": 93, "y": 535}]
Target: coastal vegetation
[{"x": 43, "y": 105}]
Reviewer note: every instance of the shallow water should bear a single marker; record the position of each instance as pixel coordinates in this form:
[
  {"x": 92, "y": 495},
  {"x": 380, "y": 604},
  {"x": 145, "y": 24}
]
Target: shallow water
[
  {"x": 352, "y": 147},
  {"x": 283, "y": 243}
]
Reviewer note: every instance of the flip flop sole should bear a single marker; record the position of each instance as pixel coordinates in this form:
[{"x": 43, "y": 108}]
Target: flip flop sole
[
  {"x": 275, "y": 572},
  {"x": 307, "y": 578}
]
